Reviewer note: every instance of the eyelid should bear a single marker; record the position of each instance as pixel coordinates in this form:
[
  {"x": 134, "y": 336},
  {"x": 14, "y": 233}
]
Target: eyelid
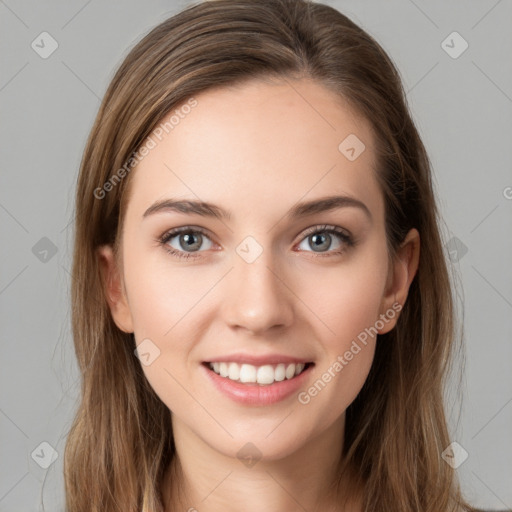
[
  {"x": 325, "y": 227},
  {"x": 306, "y": 232}
]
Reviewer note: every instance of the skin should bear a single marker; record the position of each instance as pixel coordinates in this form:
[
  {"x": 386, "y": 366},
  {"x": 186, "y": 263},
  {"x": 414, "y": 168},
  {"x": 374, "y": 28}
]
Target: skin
[{"x": 256, "y": 150}]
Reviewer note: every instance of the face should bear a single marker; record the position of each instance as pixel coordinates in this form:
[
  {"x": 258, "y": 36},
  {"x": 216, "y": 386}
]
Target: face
[{"x": 267, "y": 276}]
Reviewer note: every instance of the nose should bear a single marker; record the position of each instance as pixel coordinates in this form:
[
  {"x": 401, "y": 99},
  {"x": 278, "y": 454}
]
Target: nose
[{"x": 258, "y": 296}]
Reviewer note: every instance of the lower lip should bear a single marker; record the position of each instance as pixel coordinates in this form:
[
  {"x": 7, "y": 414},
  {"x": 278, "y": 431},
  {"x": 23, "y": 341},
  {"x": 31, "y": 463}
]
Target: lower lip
[{"x": 254, "y": 394}]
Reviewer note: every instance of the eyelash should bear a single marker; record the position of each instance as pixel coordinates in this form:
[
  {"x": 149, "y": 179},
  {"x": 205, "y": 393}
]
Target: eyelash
[{"x": 346, "y": 238}]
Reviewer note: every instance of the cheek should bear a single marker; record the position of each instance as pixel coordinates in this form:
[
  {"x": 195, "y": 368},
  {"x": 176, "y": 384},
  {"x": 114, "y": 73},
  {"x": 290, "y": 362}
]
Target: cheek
[
  {"x": 163, "y": 306},
  {"x": 345, "y": 298},
  {"x": 162, "y": 294},
  {"x": 161, "y": 302}
]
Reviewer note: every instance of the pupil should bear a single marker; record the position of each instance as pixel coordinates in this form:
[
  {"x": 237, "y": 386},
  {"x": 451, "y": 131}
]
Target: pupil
[{"x": 189, "y": 242}]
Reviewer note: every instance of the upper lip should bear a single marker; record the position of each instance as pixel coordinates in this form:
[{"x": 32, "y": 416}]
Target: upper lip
[{"x": 258, "y": 360}]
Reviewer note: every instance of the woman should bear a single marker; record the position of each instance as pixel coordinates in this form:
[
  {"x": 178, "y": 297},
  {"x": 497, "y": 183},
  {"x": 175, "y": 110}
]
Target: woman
[{"x": 254, "y": 320}]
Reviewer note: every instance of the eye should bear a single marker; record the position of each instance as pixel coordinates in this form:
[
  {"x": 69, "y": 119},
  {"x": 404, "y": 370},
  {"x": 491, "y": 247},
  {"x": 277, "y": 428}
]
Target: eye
[
  {"x": 180, "y": 240},
  {"x": 185, "y": 241},
  {"x": 320, "y": 238}
]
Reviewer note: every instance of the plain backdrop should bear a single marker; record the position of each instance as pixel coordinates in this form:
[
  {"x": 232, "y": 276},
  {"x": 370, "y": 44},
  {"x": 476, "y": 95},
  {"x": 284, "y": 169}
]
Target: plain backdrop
[{"x": 460, "y": 100}]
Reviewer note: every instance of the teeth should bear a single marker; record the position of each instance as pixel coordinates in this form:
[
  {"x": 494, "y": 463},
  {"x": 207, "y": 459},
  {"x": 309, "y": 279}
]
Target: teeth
[{"x": 264, "y": 375}]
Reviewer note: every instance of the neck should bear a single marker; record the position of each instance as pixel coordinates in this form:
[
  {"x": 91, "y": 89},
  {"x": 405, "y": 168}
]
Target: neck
[{"x": 201, "y": 478}]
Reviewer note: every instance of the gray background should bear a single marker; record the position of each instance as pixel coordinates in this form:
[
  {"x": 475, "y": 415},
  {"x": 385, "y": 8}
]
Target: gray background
[{"x": 463, "y": 109}]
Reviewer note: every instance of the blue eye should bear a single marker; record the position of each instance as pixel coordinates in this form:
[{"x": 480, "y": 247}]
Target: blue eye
[
  {"x": 189, "y": 241},
  {"x": 187, "y": 238},
  {"x": 320, "y": 237}
]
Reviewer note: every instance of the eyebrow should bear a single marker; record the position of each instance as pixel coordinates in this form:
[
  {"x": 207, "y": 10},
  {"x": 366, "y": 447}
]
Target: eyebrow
[{"x": 299, "y": 210}]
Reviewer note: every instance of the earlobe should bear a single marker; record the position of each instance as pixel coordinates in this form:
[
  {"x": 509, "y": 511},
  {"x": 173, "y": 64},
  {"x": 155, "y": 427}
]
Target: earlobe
[
  {"x": 114, "y": 289},
  {"x": 400, "y": 278}
]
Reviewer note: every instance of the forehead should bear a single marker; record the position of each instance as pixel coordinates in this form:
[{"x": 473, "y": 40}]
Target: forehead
[{"x": 257, "y": 147}]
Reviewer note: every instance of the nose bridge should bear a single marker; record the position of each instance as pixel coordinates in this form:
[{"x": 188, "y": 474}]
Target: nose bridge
[{"x": 257, "y": 296}]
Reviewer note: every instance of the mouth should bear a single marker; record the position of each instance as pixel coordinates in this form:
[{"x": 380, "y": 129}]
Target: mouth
[{"x": 264, "y": 375}]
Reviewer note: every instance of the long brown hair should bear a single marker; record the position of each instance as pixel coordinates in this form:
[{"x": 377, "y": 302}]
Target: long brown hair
[{"x": 121, "y": 440}]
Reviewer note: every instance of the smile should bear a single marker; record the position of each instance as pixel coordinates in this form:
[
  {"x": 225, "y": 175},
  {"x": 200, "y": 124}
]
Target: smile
[{"x": 257, "y": 385}]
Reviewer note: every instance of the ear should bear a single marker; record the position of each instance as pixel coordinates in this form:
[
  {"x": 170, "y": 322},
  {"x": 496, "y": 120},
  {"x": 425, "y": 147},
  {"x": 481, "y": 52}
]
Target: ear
[
  {"x": 114, "y": 289},
  {"x": 400, "y": 277}
]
